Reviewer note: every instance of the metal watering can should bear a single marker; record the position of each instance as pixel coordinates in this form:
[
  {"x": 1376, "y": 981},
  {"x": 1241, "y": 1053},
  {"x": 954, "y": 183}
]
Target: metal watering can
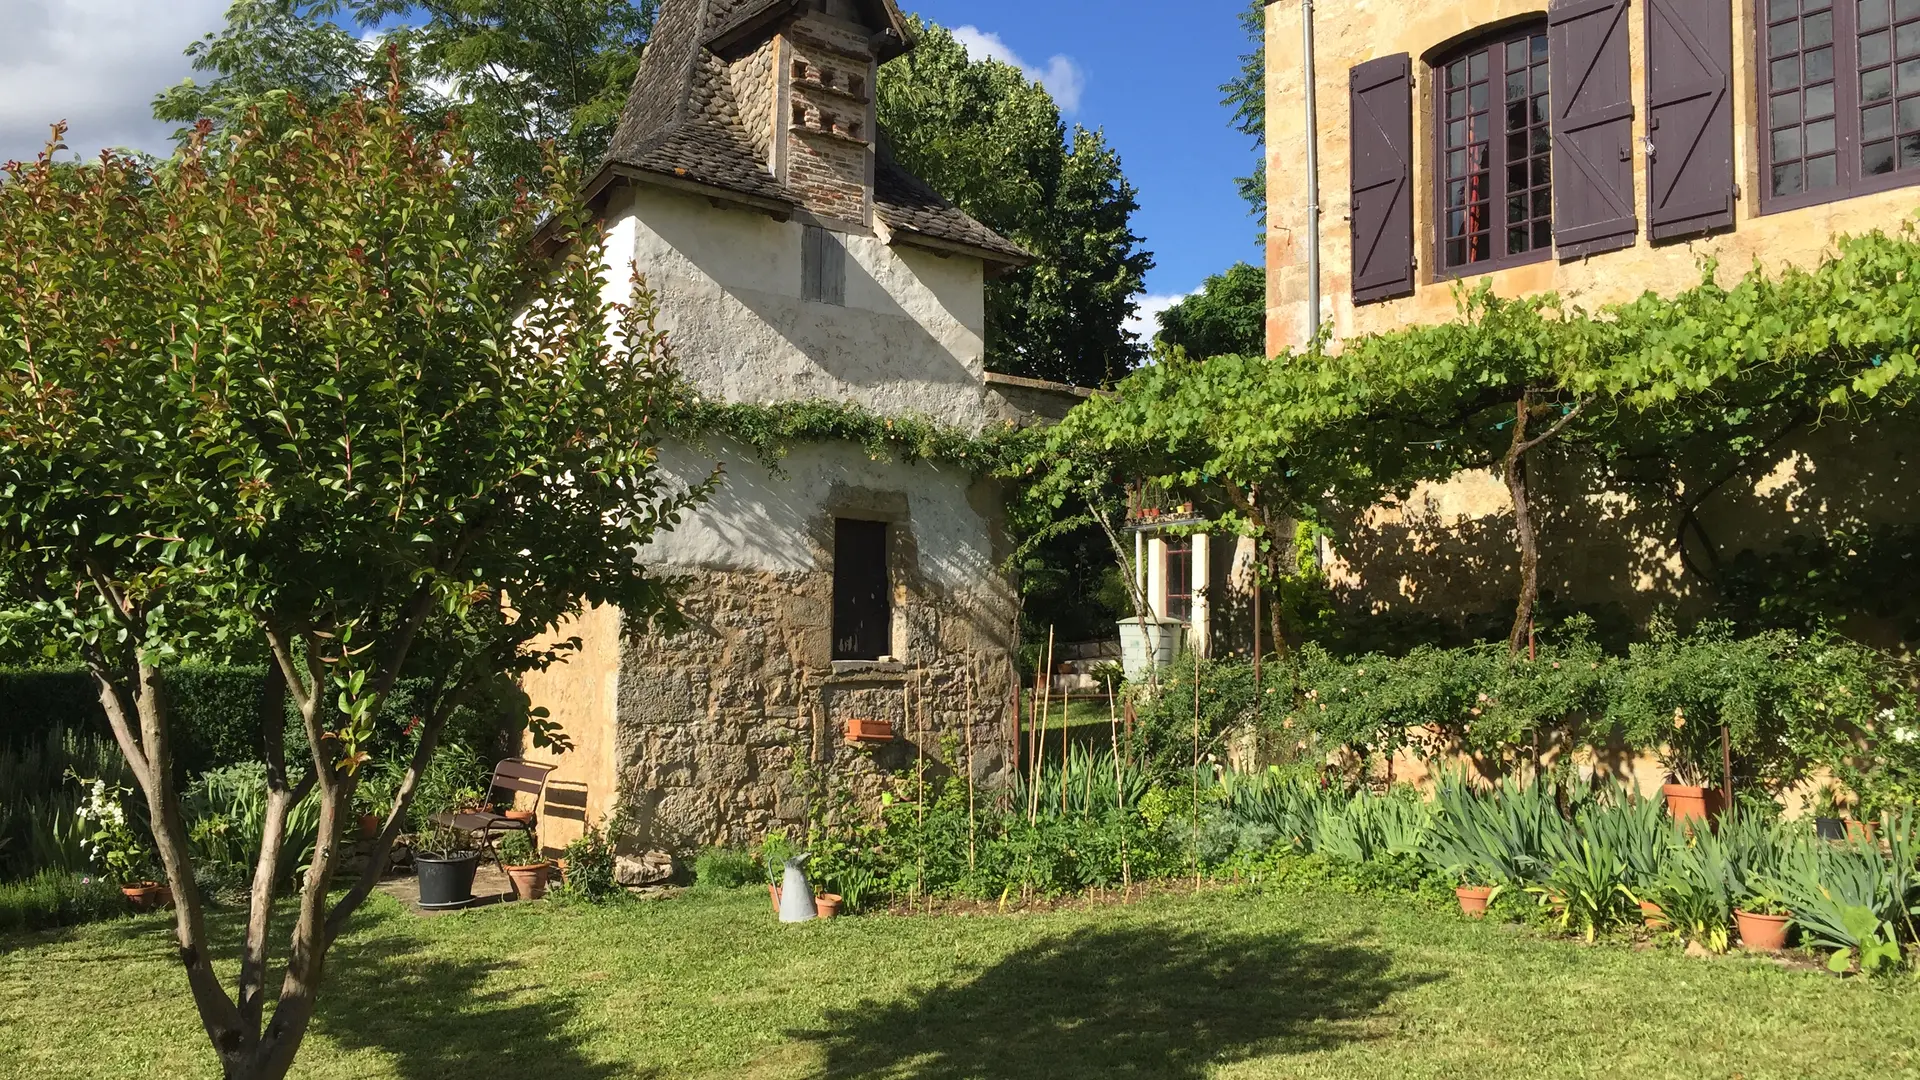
[{"x": 796, "y": 892}]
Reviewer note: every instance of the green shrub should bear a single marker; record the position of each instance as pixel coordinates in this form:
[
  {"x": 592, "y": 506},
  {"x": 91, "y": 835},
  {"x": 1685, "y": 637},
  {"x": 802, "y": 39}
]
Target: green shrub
[
  {"x": 726, "y": 868},
  {"x": 56, "y": 898},
  {"x": 590, "y": 866},
  {"x": 38, "y": 827}
]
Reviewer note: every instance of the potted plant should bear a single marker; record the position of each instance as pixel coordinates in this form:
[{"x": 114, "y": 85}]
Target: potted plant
[
  {"x": 113, "y": 841},
  {"x": 1827, "y": 813},
  {"x": 1689, "y": 756},
  {"x": 1473, "y": 896},
  {"x": 372, "y": 798},
  {"x": 445, "y": 861},
  {"x": 1762, "y": 921},
  {"x": 526, "y": 869}
]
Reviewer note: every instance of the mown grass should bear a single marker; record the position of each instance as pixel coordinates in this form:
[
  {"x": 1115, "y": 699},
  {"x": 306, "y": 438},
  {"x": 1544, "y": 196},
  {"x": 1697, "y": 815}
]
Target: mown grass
[{"x": 1315, "y": 983}]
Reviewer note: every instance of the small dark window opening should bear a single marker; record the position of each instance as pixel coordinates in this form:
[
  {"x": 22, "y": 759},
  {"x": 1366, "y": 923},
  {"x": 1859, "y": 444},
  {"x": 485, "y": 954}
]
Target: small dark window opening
[
  {"x": 1180, "y": 578},
  {"x": 1840, "y": 84},
  {"x": 823, "y": 266},
  {"x": 1494, "y": 125},
  {"x": 862, "y": 605}
]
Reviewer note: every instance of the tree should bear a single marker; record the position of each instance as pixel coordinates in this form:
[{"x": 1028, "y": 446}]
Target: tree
[
  {"x": 1246, "y": 94},
  {"x": 290, "y": 386},
  {"x": 270, "y": 49},
  {"x": 993, "y": 142},
  {"x": 1228, "y": 316},
  {"x": 524, "y": 73},
  {"x": 521, "y": 73}
]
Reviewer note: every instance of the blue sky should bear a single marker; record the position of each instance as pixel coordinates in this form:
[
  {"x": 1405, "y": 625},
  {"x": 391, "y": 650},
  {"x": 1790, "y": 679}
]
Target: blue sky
[{"x": 1149, "y": 74}]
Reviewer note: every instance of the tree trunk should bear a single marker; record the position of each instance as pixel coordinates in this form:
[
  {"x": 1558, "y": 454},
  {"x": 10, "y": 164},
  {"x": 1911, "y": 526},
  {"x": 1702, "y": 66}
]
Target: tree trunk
[{"x": 1516, "y": 476}]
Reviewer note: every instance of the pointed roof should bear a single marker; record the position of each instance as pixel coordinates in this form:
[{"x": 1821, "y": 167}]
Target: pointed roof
[{"x": 682, "y": 128}]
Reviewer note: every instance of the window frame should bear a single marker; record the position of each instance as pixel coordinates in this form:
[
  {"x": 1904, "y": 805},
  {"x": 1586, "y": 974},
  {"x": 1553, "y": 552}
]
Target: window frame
[
  {"x": 1491, "y": 39},
  {"x": 1178, "y": 550},
  {"x": 1850, "y": 181},
  {"x": 848, "y": 575}
]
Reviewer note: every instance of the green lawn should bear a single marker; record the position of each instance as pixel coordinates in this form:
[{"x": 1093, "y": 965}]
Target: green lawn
[{"x": 1320, "y": 984}]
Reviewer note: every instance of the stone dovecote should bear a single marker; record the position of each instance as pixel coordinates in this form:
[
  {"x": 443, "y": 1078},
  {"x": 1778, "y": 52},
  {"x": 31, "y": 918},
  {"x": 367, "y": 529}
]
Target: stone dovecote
[{"x": 826, "y": 74}]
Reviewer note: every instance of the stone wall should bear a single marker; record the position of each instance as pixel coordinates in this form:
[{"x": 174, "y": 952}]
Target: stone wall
[
  {"x": 1351, "y": 31},
  {"x": 712, "y": 722},
  {"x": 1448, "y": 549},
  {"x": 696, "y": 735}
]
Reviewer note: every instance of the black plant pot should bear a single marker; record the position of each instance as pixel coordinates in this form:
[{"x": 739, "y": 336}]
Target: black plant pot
[
  {"x": 1830, "y": 828},
  {"x": 446, "y": 882}
]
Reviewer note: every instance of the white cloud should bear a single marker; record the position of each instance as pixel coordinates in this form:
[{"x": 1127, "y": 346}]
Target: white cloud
[
  {"x": 1062, "y": 76},
  {"x": 1146, "y": 319},
  {"x": 96, "y": 64}
]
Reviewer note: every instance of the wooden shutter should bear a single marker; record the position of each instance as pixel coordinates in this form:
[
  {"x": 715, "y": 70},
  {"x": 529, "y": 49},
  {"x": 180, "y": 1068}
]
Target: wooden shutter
[
  {"x": 1689, "y": 117},
  {"x": 1381, "y": 100},
  {"x": 823, "y": 266},
  {"x": 1592, "y": 127}
]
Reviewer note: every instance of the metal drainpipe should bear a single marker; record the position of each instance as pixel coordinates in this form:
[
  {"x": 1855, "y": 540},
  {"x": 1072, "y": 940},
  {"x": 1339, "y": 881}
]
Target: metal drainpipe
[{"x": 1313, "y": 170}]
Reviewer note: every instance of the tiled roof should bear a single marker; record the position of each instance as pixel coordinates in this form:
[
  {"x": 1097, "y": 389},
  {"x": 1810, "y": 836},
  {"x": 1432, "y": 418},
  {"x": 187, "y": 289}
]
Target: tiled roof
[
  {"x": 681, "y": 121},
  {"x": 908, "y": 205}
]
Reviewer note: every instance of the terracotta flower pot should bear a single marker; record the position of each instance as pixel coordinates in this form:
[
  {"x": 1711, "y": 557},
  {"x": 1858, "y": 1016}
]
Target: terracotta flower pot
[
  {"x": 524, "y": 817},
  {"x": 1761, "y": 933},
  {"x": 773, "y": 893},
  {"x": 1862, "y": 830},
  {"x": 1688, "y": 803},
  {"x": 148, "y": 895},
  {"x": 529, "y": 881},
  {"x": 1652, "y": 914},
  {"x": 827, "y": 904},
  {"x": 369, "y": 826},
  {"x": 1474, "y": 899}
]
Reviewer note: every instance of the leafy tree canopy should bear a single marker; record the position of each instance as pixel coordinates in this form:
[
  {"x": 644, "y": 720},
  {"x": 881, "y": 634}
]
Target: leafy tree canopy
[
  {"x": 521, "y": 73},
  {"x": 1227, "y": 316},
  {"x": 1246, "y": 94},
  {"x": 299, "y": 387},
  {"x": 993, "y": 142}
]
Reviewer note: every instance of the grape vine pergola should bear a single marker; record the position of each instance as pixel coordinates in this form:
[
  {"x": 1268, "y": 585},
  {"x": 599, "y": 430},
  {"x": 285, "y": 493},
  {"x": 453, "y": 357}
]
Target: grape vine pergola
[{"x": 1676, "y": 395}]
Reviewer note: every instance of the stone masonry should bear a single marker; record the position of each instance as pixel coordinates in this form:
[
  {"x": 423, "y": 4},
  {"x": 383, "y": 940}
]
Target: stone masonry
[{"x": 711, "y": 722}]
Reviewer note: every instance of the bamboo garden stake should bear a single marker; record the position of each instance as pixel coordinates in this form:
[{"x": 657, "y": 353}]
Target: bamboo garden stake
[
  {"x": 1193, "y": 844},
  {"x": 971, "y": 828},
  {"x": 1119, "y": 791}
]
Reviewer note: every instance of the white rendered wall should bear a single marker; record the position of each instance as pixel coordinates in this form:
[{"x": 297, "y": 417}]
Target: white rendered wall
[
  {"x": 762, "y": 521},
  {"x": 910, "y": 339}
]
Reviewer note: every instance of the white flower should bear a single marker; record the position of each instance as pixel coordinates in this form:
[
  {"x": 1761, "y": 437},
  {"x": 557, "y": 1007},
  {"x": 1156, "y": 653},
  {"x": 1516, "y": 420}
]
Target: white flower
[{"x": 1905, "y": 735}]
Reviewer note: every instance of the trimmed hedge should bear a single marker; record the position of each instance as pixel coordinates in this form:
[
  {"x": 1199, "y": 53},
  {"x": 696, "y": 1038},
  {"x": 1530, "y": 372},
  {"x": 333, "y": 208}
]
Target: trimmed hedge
[{"x": 215, "y": 713}]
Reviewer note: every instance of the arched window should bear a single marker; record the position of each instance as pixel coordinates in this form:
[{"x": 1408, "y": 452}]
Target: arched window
[{"x": 1493, "y": 125}]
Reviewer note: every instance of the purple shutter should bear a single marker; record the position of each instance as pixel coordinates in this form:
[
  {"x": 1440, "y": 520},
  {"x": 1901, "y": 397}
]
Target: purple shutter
[
  {"x": 1592, "y": 127},
  {"x": 1381, "y": 98},
  {"x": 1689, "y": 117}
]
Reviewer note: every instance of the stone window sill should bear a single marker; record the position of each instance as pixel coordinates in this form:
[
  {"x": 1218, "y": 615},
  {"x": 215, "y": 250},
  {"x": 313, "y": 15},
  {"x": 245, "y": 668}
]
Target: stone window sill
[{"x": 869, "y": 667}]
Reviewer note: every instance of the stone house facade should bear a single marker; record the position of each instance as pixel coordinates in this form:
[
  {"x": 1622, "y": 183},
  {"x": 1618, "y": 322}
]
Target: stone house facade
[
  {"x": 1598, "y": 149},
  {"x": 794, "y": 261}
]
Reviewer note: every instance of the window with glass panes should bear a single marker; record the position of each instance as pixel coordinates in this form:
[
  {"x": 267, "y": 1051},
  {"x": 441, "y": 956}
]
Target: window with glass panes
[
  {"x": 1495, "y": 153},
  {"x": 1841, "y": 80}
]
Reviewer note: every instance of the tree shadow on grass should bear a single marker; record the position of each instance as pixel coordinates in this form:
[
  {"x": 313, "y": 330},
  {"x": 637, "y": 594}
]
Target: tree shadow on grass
[
  {"x": 1122, "y": 1002},
  {"x": 439, "y": 1018}
]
